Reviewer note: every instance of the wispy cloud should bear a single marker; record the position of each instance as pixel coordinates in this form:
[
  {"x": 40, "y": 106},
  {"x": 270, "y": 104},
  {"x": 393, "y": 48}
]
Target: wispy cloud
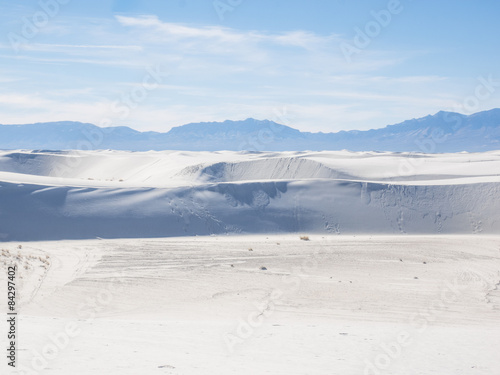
[
  {"x": 34, "y": 101},
  {"x": 70, "y": 60},
  {"x": 222, "y": 34},
  {"x": 69, "y": 47},
  {"x": 173, "y": 30},
  {"x": 216, "y": 73}
]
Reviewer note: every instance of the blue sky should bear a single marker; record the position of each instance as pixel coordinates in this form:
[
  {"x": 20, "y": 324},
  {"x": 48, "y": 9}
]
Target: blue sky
[{"x": 324, "y": 65}]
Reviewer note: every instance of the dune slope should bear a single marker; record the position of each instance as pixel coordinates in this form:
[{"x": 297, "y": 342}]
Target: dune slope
[{"x": 68, "y": 195}]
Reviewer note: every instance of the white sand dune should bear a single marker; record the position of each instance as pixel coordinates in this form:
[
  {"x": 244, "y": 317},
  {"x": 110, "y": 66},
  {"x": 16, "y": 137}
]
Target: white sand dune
[
  {"x": 48, "y": 195},
  {"x": 266, "y": 303}
]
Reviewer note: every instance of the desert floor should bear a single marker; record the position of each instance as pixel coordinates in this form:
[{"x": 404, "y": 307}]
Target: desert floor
[{"x": 258, "y": 305}]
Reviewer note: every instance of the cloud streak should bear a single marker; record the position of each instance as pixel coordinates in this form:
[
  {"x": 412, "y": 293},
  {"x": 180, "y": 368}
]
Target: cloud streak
[
  {"x": 216, "y": 73},
  {"x": 69, "y": 47},
  {"x": 222, "y": 34}
]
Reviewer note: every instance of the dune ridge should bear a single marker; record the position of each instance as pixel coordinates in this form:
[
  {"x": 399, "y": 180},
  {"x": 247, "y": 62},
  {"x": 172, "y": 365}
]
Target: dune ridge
[{"x": 49, "y": 195}]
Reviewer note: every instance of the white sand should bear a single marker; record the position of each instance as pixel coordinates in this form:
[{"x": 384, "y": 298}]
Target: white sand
[
  {"x": 202, "y": 305},
  {"x": 338, "y": 304},
  {"x": 116, "y": 194}
]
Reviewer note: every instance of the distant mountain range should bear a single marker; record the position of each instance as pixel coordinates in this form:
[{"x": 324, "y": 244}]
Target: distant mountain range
[{"x": 442, "y": 132}]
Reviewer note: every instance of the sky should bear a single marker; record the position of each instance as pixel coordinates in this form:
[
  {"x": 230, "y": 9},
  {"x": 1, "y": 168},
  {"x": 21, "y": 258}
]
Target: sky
[{"x": 315, "y": 65}]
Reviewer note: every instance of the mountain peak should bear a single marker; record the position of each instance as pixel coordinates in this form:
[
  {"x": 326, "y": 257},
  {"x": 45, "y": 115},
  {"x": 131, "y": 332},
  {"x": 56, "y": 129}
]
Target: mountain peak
[
  {"x": 477, "y": 132},
  {"x": 231, "y": 129}
]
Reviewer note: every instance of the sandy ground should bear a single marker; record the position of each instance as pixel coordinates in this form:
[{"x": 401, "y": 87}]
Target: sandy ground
[{"x": 258, "y": 305}]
